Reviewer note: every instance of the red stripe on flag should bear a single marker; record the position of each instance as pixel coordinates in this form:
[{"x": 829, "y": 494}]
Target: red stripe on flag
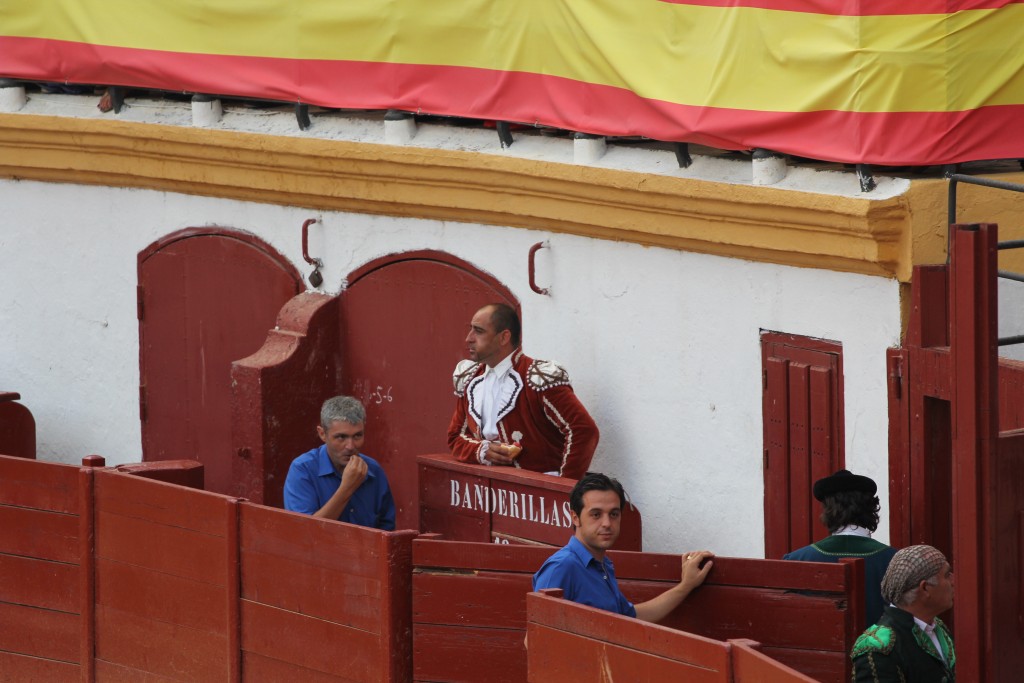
[
  {"x": 856, "y": 8},
  {"x": 898, "y": 138}
]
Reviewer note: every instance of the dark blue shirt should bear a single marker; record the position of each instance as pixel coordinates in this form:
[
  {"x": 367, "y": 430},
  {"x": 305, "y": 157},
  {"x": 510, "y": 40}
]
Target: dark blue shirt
[
  {"x": 583, "y": 579},
  {"x": 312, "y": 480}
]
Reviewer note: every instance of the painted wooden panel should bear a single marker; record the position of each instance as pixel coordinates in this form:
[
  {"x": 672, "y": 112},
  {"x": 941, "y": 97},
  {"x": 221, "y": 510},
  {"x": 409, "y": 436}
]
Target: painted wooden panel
[
  {"x": 569, "y": 641},
  {"x": 16, "y": 668},
  {"x": 39, "y": 533},
  {"x": 259, "y": 669},
  {"x": 802, "y": 406},
  {"x": 206, "y": 298},
  {"x": 36, "y": 632},
  {"x": 309, "y": 642},
  {"x": 42, "y": 583},
  {"x": 157, "y": 646},
  {"x": 751, "y": 666},
  {"x": 17, "y": 427},
  {"x": 163, "y": 504},
  {"x": 468, "y": 654},
  {"x": 407, "y": 387},
  {"x": 39, "y": 485},
  {"x": 468, "y": 502}
]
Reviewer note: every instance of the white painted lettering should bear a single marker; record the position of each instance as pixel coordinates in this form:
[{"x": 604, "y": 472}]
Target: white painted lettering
[
  {"x": 467, "y": 498},
  {"x": 566, "y": 516},
  {"x": 456, "y": 499},
  {"x": 543, "y": 519},
  {"x": 502, "y": 510},
  {"x": 479, "y": 491}
]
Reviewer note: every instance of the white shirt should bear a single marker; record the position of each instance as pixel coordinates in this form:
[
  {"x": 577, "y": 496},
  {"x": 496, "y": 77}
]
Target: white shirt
[
  {"x": 852, "y": 530},
  {"x": 929, "y": 630},
  {"x": 496, "y": 385}
]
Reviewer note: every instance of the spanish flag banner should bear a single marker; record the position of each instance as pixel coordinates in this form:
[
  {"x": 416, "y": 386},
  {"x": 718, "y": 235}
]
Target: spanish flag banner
[{"x": 889, "y": 82}]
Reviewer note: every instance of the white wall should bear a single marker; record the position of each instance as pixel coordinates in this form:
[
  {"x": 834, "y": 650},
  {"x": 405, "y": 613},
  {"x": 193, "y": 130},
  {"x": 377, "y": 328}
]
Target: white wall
[{"x": 662, "y": 346}]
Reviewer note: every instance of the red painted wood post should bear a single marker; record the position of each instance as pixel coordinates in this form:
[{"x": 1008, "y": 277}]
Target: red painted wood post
[
  {"x": 87, "y": 565},
  {"x": 973, "y": 347},
  {"x": 233, "y": 597}
]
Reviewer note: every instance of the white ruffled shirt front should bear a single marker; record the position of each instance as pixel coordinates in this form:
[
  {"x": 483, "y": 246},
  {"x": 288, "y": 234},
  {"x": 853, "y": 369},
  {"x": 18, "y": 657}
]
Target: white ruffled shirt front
[{"x": 495, "y": 390}]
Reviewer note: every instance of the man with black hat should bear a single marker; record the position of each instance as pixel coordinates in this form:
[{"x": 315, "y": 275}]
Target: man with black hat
[
  {"x": 851, "y": 514},
  {"x": 910, "y": 642}
]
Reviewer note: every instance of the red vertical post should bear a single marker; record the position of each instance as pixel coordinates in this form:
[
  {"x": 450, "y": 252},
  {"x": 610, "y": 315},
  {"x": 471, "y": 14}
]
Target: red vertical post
[
  {"x": 973, "y": 349},
  {"x": 87, "y": 566},
  {"x": 233, "y": 591}
]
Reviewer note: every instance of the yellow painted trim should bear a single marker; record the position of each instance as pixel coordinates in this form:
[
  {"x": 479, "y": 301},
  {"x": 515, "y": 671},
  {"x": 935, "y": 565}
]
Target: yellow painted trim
[{"x": 754, "y": 223}]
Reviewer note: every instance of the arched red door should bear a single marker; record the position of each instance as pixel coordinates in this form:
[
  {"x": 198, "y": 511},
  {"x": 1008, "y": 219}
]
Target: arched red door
[
  {"x": 403, "y": 324},
  {"x": 206, "y": 298}
]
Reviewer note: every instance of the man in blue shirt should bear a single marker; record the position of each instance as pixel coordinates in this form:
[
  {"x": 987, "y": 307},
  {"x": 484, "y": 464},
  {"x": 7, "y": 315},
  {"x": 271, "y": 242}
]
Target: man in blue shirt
[
  {"x": 335, "y": 481},
  {"x": 583, "y": 572}
]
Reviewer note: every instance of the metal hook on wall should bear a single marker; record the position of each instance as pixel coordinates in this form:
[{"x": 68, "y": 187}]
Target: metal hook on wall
[
  {"x": 315, "y": 278},
  {"x": 532, "y": 263}
]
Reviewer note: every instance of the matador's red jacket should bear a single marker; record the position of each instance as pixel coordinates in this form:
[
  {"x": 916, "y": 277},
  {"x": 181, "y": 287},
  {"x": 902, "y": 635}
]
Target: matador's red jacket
[{"x": 556, "y": 431}]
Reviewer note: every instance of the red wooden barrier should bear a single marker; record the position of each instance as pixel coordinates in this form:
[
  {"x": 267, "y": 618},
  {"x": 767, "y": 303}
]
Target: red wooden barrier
[
  {"x": 465, "y": 502},
  {"x": 749, "y": 665},
  {"x": 136, "y": 579},
  {"x": 40, "y": 598},
  {"x": 568, "y": 641},
  {"x": 17, "y": 427},
  {"x": 163, "y": 567},
  {"x": 573, "y": 642},
  {"x": 323, "y": 600},
  {"x": 470, "y": 598}
]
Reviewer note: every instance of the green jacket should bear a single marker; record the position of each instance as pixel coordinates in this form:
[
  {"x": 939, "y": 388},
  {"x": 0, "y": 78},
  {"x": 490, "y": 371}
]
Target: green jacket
[{"x": 896, "y": 650}]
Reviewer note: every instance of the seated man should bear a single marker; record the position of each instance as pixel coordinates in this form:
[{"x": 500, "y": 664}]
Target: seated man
[
  {"x": 335, "y": 481},
  {"x": 850, "y": 511},
  {"x": 910, "y": 642},
  {"x": 513, "y": 410},
  {"x": 583, "y": 572}
]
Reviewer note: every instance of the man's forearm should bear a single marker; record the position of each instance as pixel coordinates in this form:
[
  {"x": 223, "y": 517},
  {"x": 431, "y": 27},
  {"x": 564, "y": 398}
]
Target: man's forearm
[
  {"x": 333, "y": 508},
  {"x": 656, "y": 609}
]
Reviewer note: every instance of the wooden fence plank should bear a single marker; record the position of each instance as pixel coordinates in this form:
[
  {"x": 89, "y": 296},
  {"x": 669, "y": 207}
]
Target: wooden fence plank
[
  {"x": 39, "y": 533},
  {"x": 158, "y": 647},
  {"x": 39, "y": 485},
  {"x": 39, "y": 633},
  {"x": 556, "y": 656},
  {"x": 164, "y": 504},
  {"x": 309, "y": 541},
  {"x": 309, "y": 642},
  {"x": 454, "y": 654},
  {"x": 488, "y": 599},
  {"x": 41, "y": 583},
  {"x": 751, "y": 666},
  {"x": 17, "y": 668},
  {"x": 259, "y": 669},
  {"x": 158, "y": 547},
  {"x": 158, "y": 596}
]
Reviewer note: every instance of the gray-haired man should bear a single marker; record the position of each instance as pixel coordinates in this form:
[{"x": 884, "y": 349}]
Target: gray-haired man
[{"x": 335, "y": 480}]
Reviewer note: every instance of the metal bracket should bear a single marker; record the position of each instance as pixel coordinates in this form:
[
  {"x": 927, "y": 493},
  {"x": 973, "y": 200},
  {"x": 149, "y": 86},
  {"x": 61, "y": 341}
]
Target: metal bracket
[
  {"x": 867, "y": 181},
  {"x": 683, "y": 158},
  {"x": 315, "y": 278},
  {"x": 543, "y": 291},
  {"x": 302, "y": 115},
  {"x": 504, "y": 133}
]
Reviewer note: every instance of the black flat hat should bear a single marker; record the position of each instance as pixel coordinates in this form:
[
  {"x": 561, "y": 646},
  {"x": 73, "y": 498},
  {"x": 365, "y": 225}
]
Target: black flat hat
[{"x": 843, "y": 480}]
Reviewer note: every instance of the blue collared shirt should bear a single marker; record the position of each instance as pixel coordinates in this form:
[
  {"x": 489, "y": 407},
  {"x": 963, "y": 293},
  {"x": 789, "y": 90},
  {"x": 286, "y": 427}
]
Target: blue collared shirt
[
  {"x": 312, "y": 480},
  {"x": 583, "y": 579}
]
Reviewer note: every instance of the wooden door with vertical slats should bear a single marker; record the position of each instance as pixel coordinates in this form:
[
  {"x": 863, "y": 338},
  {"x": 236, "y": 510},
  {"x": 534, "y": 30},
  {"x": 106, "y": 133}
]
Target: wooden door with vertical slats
[{"x": 803, "y": 434}]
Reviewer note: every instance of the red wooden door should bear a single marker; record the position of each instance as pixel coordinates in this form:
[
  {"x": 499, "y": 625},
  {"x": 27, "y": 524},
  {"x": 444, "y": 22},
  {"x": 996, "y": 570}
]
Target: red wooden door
[
  {"x": 803, "y": 435},
  {"x": 403, "y": 324},
  {"x": 206, "y": 298}
]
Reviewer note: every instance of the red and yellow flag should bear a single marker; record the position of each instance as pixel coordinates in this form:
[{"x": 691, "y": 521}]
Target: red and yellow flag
[{"x": 857, "y": 81}]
